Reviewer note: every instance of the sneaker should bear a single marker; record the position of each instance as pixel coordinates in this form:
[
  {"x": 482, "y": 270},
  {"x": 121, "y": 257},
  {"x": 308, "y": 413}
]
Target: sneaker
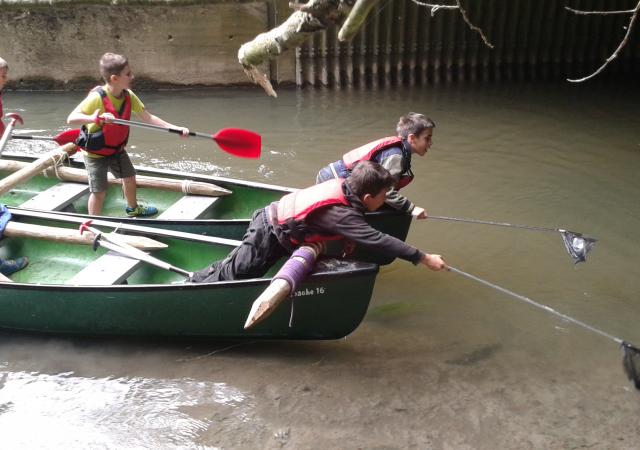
[
  {"x": 141, "y": 211},
  {"x": 9, "y": 266}
]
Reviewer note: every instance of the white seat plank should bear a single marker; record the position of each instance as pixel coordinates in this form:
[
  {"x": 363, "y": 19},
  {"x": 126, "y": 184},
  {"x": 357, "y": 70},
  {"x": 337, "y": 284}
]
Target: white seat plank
[
  {"x": 57, "y": 197},
  {"x": 189, "y": 207},
  {"x": 110, "y": 268}
]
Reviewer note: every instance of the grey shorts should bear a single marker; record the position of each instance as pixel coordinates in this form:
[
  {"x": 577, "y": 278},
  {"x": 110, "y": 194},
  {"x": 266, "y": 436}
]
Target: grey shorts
[{"x": 97, "y": 168}]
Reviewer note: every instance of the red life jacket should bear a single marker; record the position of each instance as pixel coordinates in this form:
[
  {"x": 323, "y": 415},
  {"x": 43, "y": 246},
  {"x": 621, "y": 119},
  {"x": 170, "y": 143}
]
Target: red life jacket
[
  {"x": 368, "y": 151},
  {"x": 294, "y": 208},
  {"x": 110, "y": 138}
]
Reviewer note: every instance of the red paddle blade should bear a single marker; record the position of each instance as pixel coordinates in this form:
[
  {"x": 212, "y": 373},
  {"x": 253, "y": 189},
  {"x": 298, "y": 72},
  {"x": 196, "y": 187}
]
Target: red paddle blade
[
  {"x": 238, "y": 142},
  {"x": 66, "y": 137}
]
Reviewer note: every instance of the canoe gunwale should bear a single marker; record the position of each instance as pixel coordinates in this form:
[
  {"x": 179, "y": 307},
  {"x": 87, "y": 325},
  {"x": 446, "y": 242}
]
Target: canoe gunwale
[
  {"x": 170, "y": 173},
  {"x": 358, "y": 268}
]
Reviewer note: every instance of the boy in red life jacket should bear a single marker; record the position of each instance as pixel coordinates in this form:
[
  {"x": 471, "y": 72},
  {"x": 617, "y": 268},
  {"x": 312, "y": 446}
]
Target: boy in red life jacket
[
  {"x": 326, "y": 211},
  {"x": 103, "y": 142},
  {"x": 4, "y": 76},
  {"x": 414, "y": 132}
]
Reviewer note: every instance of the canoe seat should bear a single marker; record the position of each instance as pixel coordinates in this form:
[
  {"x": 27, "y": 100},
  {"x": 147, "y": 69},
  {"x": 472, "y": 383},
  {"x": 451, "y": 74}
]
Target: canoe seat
[
  {"x": 188, "y": 207},
  {"x": 57, "y": 197},
  {"x": 110, "y": 268}
]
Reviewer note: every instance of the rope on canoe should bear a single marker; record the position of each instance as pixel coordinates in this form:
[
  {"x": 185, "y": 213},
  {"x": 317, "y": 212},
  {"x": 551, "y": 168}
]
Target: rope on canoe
[{"x": 186, "y": 186}]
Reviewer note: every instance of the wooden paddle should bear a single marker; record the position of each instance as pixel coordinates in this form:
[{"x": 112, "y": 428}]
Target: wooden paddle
[
  {"x": 37, "y": 166},
  {"x": 14, "y": 118},
  {"x": 71, "y": 236},
  {"x": 235, "y": 141},
  {"x": 284, "y": 282},
  {"x": 163, "y": 184}
]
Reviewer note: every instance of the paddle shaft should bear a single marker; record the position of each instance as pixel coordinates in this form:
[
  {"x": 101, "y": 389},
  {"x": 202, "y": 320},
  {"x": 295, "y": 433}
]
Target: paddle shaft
[
  {"x": 35, "y": 138},
  {"x": 527, "y": 300},
  {"x": 139, "y": 255},
  {"x": 235, "y": 141},
  {"x": 158, "y": 127},
  {"x": 38, "y": 138},
  {"x": 112, "y": 243}
]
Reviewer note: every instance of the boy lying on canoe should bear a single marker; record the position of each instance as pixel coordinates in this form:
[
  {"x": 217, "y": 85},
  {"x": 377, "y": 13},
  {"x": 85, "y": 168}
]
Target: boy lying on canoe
[
  {"x": 331, "y": 210},
  {"x": 414, "y": 133},
  {"x": 103, "y": 143}
]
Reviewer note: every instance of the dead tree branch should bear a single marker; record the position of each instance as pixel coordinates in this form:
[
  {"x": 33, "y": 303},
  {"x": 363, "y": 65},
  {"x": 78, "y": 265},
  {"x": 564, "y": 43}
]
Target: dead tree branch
[
  {"x": 472, "y": 26},
  {"x": 355, "y": 19},
  {"x": 624, "y": 41},
  {"x": 602, "y": 13},
  {"x": 308, "y": 18}
]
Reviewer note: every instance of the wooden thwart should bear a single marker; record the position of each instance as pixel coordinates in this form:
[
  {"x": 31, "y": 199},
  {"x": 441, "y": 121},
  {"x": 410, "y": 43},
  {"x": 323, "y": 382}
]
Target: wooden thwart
[
  {"x": 110, "y": 268},
  {"x": 57, "y": 197},
  {"x": 188, "y": 207},
  {"x": 5, "y": 278}
]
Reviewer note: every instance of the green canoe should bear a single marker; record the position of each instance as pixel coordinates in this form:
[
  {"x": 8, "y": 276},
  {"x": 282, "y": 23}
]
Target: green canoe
[
  {"x": 67, "y": 289},
  {"x": 224, "y": 216}
]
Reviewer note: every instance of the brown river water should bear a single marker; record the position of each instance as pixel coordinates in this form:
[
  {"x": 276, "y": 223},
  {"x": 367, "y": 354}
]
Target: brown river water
[{"x": 440, "y": 362}]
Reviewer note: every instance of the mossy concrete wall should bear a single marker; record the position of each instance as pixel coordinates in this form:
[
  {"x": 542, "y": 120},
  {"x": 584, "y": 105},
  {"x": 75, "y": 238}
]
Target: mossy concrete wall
[{"x": 57, "y": 44}]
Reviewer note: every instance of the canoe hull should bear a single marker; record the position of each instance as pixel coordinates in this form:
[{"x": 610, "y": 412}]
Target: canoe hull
[
  {"x": 325, "y": 308},
  {"x": 330, "y": 304}
]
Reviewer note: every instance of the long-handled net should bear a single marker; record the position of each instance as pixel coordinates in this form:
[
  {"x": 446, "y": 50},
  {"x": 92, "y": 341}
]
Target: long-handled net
[
  {"x": 576, "y": 244},
  {"x": 631, "y": 358}
]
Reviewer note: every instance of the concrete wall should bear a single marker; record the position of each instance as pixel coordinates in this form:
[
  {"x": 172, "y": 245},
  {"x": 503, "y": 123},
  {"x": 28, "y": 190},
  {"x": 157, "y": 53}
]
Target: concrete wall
[{"x": 58, "y": 44}]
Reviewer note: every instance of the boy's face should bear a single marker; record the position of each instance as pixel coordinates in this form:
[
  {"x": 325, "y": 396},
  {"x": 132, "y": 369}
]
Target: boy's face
[
  {"x": 4, "y": 76},
  {"x": 420, "y": 144},
  {"x": 124, "y": 80},
  {"x": 374, "y": 202}
]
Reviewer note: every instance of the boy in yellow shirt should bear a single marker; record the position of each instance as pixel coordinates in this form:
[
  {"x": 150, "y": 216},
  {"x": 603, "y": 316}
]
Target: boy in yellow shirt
[{"x": 103, "y": 142}]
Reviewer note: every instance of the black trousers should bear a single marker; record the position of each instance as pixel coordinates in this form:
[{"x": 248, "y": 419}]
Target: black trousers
[{"x": 259, "y": 251}]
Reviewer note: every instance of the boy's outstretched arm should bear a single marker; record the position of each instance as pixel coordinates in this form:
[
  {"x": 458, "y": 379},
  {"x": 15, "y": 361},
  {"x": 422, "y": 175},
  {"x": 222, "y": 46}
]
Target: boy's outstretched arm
[{"x": 147, "y": 117}]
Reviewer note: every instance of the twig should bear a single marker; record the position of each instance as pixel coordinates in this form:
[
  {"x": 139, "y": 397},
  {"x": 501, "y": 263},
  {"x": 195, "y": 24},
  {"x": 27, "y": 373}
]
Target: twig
[
  {"x": 434, "y": 7},
  {"x": 472, "y": 26},
  {"x": 624, "y": 41},
  {"x": 603, "y": 13}
]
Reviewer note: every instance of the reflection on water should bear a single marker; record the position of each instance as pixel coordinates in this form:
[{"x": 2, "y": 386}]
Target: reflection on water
[
  {"x": 440, "y": 361},
  {"x": 67, "y": 410}
]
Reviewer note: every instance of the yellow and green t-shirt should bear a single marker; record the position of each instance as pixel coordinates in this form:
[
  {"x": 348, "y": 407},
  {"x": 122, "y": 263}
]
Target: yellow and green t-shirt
[{"x": 93, "y": 101}]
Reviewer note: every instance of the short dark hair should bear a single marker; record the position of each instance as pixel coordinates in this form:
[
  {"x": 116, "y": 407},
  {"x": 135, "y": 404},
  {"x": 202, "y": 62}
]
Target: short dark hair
[
  {"x": 369, "y": 177},
  {"x": 112, "y": 64},
  {"x": 413, "y": 123}
]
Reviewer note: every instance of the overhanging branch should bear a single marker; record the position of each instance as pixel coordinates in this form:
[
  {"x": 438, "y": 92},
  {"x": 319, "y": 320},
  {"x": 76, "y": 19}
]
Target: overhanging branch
[{"x": 624, "y": 41}]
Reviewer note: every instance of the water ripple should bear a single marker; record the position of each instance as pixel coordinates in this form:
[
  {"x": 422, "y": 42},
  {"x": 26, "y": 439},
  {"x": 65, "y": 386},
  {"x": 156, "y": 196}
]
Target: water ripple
[{"x": 77, "y": 412}]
